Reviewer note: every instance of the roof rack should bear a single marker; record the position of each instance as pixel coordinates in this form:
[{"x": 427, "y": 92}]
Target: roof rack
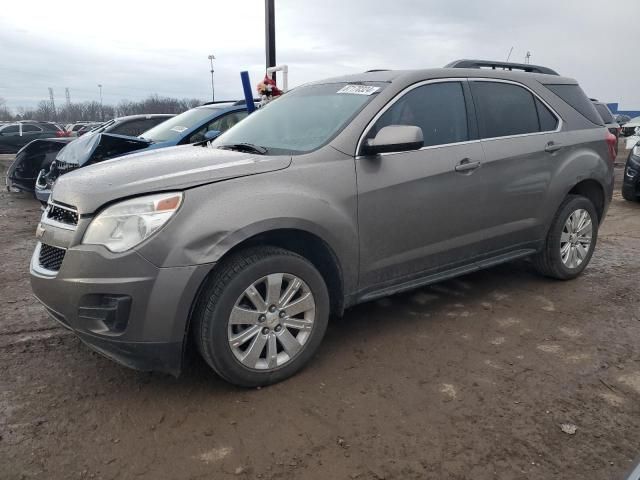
[
  {"x": 244, "y": 102},
  {"x": 218, "y": 101},
  {"x": 524, "y": 67}
]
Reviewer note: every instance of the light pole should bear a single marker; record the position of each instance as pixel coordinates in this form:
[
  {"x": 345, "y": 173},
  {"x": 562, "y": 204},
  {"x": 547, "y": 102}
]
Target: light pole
[
  {"x": 213, "y": 92},
  {"x": 101, "y": 109}
]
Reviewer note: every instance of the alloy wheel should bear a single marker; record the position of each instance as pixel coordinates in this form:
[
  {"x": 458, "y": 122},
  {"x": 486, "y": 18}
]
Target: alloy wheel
[
  {"x": 575, "y": 239},
  {"x": 271, "y": 321}
]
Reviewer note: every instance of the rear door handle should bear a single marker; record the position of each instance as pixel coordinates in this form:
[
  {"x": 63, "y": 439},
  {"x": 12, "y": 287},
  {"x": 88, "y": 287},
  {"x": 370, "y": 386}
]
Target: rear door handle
[
  {"x": 552, "y": 147},
  {"x": 466, "y": 165}
]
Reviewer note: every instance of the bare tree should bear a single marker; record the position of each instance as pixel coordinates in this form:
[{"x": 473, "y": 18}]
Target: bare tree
[{"x": 91, "y": 110}]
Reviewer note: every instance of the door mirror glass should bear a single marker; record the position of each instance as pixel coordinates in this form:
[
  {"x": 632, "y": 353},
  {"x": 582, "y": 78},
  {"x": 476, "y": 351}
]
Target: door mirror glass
[
  {"x": 212, "y": 134},
  {"x": 394, "y": 138}
]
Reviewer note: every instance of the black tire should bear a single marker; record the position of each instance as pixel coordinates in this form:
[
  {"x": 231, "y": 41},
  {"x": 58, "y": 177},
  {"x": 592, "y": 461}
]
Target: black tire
[
  {"x": 548, "y": 261},
  {"x": 226, "y": 285},
  {"x": 629, "y": 194}
]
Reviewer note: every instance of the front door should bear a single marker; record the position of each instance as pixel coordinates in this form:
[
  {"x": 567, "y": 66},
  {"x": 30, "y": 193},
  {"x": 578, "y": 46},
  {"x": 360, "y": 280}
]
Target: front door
[{"x": 417, "y": 212}]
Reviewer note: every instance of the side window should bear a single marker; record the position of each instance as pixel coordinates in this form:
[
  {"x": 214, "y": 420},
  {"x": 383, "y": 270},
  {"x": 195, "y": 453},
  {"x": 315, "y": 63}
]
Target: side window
[
  {"x": 149, "y": 123},
  {"x": 504, "y": 109},
  {"x": 548, "y": 121},
  {"x": 221, "y": 124},
  {"x": 437, "y": 108},
  {"x": 10, "y": 129},
  {"x": 132, "y": 128},
  {"x": 30, "y": 129}
]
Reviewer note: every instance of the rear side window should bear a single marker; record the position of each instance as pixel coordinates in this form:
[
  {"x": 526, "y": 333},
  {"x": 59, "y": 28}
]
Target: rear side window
[
  {"x": 31, "y": 128},
  {"x": 10, "y": 129},
  {"x": 548, "y": 121},
  {"x": 604, "y": 112},
  {"x": 576, "y": 98},
  {"x": 437, "y": 108},
  {"x": 504, "y": 109}
]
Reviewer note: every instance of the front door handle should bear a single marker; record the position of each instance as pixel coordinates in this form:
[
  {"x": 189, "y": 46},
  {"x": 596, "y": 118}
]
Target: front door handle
[
  {"x": 466, "y": 165},
  {"x": 552, "y": 147}
]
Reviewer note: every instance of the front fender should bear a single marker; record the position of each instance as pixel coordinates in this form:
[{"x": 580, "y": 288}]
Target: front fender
[{"x": 216, "y": 218}]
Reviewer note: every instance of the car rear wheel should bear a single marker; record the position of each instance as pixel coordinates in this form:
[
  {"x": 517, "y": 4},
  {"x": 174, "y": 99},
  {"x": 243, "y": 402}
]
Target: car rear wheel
[
  {"x": 571, "y": 240},
  {"x": 261, "y": 316}
]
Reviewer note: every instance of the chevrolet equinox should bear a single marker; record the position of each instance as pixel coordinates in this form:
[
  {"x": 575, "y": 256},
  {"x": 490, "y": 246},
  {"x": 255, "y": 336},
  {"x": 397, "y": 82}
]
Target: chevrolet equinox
[{"x": 339, "y": 192}]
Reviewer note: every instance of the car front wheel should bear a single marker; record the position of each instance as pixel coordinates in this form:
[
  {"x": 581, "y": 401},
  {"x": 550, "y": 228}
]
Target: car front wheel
[
  {"x": 261, "y": 316},
  {"x": 570, "y": 241}
]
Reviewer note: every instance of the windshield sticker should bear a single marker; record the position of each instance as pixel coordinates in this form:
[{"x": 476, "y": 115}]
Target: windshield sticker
[
  {"x": 359, "y": 89},
  {"x": 179, "y": 129}
]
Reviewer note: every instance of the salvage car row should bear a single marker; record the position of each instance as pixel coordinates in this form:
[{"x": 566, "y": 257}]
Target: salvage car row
[
  {"x": 238, "y": 243},
  {"x": 42, "y": 161}
]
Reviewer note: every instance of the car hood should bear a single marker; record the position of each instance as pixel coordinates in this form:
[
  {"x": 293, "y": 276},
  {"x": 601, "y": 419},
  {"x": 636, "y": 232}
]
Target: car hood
[
  {"x": 91, "y": 148},
  {"x": 173, "y": 168}
]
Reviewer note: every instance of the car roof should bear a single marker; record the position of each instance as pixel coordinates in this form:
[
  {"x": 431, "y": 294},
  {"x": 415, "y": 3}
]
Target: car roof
[
  {"x": 411, "y": 76},
  {"x": 149, "y": 115}
]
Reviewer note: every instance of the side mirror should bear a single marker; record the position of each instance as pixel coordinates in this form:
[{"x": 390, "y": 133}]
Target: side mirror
[
  {"x": 394, "y": 138},
  {"x": 212, "y": 134}
]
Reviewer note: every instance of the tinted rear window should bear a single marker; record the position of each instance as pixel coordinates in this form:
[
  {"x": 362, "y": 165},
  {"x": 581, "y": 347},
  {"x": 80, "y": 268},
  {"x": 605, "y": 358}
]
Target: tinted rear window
[
  {"x": 548, "y": 121},
  {"x": 575, "y": 97},
  {"x": 604, "y": 112}
]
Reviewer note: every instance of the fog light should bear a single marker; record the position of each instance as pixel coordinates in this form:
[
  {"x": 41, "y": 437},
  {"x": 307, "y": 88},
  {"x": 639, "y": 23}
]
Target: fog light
[{"x": 104, "y": 313}]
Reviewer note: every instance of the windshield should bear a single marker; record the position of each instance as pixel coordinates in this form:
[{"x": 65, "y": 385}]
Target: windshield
[
  {"x": 175, "y": 127},
  {"x": 303, "y": 119}
]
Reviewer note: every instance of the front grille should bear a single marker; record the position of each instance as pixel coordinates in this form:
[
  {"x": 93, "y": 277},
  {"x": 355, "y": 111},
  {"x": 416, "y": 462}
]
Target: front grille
[
  {"x": 64, "y": 167},
  {"x": 62, "y": 215},
  {"x": 51, "y": 257}
]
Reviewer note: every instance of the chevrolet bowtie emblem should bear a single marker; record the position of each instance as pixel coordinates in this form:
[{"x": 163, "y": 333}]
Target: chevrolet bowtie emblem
[{"x": 39, "y": 231}]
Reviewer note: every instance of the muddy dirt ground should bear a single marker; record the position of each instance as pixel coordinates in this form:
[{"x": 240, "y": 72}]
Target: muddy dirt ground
[{"x": 471, "y": 378}]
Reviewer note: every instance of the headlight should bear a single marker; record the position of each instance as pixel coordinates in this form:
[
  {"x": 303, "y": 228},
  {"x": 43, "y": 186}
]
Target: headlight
[{"x": 126, "y": 224}]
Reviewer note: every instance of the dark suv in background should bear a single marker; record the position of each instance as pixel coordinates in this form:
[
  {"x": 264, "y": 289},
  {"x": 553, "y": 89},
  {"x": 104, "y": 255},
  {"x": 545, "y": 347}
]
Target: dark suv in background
[
  {"x": 339, "y": 192},
  {"x": 14, "y": 136}
]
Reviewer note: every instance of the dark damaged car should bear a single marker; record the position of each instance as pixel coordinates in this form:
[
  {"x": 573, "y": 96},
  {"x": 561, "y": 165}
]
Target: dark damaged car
[
  {"x": 40, "y": 153},
  {"x": 193, "y": 126}
]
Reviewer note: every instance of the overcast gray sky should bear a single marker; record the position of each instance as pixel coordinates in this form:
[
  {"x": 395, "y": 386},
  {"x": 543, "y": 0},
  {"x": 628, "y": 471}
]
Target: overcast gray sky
[{"x": 139, "y": 48}]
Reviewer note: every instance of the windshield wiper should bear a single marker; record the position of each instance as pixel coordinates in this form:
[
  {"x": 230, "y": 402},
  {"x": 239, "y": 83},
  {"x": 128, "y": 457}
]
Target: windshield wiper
[{"x": 245, "y": 147}]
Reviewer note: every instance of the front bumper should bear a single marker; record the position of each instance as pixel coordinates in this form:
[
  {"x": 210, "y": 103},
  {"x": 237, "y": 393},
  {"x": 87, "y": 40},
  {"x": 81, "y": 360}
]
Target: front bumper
[{"x": 147, "y": 331}]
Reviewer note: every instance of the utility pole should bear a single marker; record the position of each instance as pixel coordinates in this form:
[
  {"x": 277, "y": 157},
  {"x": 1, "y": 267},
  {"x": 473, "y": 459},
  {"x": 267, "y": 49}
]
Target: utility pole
[
  {"x": 527, "y": 58},
  {"x": 270, "y": 34},
  {"x": 68, "y": 96},
  {"x": 53, "y": 103},
  {"x": 213, "y": 91},
  {"x": 101, "y": 109}
]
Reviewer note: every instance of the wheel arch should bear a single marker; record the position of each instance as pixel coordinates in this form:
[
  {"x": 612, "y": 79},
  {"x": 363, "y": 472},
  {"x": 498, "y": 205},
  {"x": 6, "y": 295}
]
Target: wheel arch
[
  {"x": 310, "y": 246},
  {"x": 594, "y": 191},
  {"x": 307, "y": 244}
]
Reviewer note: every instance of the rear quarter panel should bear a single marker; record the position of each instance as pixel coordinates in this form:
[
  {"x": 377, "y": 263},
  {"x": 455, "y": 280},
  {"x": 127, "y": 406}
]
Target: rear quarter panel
[{"x": 585, "y": 156}]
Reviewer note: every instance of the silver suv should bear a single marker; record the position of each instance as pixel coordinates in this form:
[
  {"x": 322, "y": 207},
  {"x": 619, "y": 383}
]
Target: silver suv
[{"x": 339, "y": 192}]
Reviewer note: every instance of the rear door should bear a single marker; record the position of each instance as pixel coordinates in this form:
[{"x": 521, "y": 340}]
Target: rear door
[
  {"x": 520, "y": 139},
  {"x": 29, "y": 133},
  {"x": 416, "y": 213}
]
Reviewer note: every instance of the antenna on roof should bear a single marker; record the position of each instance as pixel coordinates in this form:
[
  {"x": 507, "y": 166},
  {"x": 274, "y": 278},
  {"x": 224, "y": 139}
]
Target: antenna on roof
[{"x": 509, "y": 56}]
